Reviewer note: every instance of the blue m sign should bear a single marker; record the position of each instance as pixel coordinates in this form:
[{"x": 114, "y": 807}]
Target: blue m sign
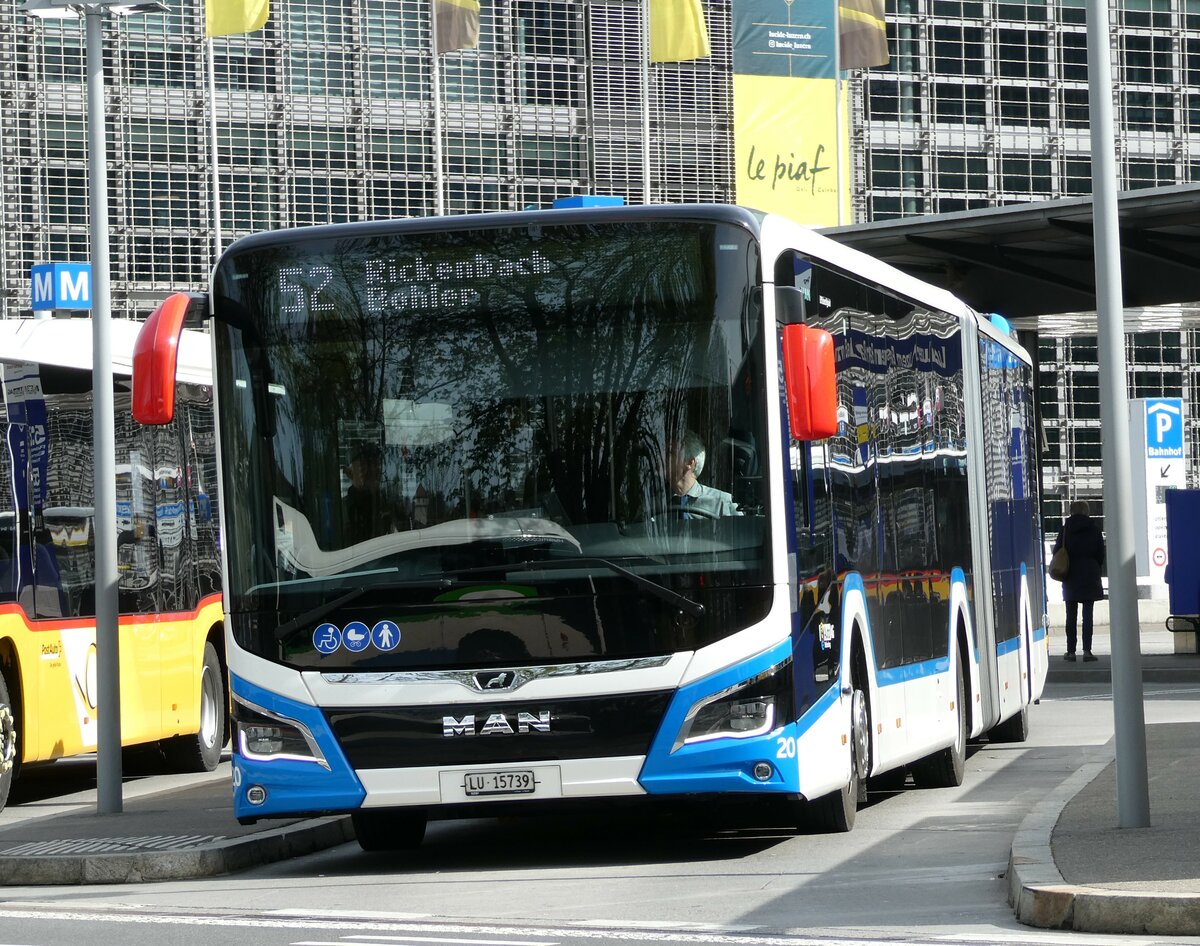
[{"x": 62, "y": 286}]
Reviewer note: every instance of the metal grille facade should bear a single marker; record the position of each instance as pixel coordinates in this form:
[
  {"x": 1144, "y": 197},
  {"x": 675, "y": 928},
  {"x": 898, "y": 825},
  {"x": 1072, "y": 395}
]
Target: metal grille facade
[
  {"x": 328, "y": 114},
  {"x": 336, "y": 110}
]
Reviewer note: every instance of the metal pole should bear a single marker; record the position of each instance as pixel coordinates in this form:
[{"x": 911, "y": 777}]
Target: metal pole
[
  {"x": 1133, "y": 800},
  {"x": 435, "y": 77},
  {"x": 214, "y": 157},
  {"x": 842, "y": 157},
  {"x": 645, "y": 76},
  {"x": 837, "y": 105},
  {"x": 108, "y": 663}
]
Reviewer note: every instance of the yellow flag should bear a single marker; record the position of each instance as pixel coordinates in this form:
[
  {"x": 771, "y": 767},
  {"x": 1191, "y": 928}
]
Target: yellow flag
[
  {"x": 862, "y": 34},
  {"x": 225, "y": 17},
  {"x": 677, "y": 30},
  {"x": 457, "y": 25}
]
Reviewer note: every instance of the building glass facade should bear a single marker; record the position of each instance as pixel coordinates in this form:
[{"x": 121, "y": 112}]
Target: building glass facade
[{"x": 336, "y": 110}]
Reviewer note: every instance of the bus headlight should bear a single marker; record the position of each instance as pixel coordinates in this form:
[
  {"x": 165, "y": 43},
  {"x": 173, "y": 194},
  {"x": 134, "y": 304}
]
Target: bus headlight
[
  {"x": 750, "y": 708},
  {"x": 266, "y": 736}
]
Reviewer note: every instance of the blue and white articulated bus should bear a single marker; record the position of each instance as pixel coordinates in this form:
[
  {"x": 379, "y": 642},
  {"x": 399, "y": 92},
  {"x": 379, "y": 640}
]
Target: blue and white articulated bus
[{"x": 650, "y": 501}]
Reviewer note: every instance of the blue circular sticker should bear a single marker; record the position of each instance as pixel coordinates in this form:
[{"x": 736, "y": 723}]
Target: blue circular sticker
[
  {"x": 356, "y": 636},
  {"x": 385, "y": 635},
  {"x": 327, "y": 638}
]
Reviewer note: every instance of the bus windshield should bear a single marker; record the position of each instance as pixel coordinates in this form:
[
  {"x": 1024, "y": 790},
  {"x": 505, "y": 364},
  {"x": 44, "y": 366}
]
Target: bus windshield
[{"x": 513, "y": 443}]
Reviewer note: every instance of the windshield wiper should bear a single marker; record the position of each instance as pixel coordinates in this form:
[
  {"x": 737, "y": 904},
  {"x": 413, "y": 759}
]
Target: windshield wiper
[
  {"x": 288, "y": 628},
  {"x": 684, "y": 603}
]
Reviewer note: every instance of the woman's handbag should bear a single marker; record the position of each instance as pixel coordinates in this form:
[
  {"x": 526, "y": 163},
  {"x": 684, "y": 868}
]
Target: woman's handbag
[{"x": 1060, "y": 564}]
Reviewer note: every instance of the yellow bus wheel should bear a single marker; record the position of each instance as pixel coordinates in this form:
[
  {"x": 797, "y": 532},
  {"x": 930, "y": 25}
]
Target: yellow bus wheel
[
  {"x": 201, "y": 751},
  {"x": 8, "y": 743}
]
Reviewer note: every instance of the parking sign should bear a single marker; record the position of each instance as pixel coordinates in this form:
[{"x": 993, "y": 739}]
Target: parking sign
[{"x": 1164, "y": 428}]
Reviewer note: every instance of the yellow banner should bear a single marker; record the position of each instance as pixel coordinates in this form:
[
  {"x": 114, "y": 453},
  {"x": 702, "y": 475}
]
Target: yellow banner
[
  {"x": 677, "y": 30},
  {"x": 786, "y": 148},
  {"x": 226, "y": 17}
]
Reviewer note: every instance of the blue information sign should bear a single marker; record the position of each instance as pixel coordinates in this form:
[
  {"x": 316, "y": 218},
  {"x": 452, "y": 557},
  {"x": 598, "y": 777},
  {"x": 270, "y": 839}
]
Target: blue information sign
[
  {"x": 61, "y": 286},
  {"x": 1164, "y": 428}
]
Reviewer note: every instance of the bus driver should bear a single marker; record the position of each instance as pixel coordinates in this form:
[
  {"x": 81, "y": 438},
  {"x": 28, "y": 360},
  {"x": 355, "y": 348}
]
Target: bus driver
[{"x": 690, "y": 496}]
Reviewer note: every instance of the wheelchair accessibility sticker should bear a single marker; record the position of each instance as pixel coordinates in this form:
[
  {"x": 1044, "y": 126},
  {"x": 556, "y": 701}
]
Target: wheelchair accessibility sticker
[{"x": 327, "y": 638}]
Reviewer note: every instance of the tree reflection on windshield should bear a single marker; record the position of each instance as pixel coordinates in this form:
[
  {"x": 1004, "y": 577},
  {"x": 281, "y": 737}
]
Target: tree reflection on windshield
[{"x": 494, "y": 388}]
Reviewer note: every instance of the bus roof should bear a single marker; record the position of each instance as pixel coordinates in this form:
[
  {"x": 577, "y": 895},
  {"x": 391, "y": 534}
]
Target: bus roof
[
  {"x": 726, "y": 213},
  {"x": 68, "y": 344}
]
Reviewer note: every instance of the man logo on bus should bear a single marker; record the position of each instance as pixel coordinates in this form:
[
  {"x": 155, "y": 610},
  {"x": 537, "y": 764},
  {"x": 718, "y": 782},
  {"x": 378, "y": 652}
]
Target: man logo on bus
[{"x": 497, "y": 724}]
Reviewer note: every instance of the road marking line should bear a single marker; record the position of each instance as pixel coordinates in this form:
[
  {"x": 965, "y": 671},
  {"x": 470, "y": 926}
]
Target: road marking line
[{"x": 466, "y": 942}]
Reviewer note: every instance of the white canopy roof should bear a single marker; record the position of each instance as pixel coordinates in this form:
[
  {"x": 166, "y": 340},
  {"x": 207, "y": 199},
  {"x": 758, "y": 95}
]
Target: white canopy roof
[{"x": 68, "y": 343}]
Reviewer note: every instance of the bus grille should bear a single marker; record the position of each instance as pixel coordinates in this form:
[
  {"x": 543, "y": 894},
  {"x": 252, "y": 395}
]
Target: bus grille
[{"x": 498, "y": 732}]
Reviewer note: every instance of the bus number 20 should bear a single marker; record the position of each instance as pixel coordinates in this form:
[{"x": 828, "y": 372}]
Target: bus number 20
[{"x": 785, "y": 747}]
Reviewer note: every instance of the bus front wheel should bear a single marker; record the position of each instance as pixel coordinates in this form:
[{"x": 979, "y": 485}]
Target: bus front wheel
[
  {"x": 835, "y": 812},
  {"x": 201, "y": 751},
  {"x": 389, "y": 829}
]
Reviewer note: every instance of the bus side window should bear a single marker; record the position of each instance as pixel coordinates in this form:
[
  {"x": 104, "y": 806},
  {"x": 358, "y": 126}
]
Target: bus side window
[
  {"x": 138, "y": 569},
  {"x": 201, "y": 473},
  {"x": 172, "y": 535},
  {"x": 813, "y": 512}
]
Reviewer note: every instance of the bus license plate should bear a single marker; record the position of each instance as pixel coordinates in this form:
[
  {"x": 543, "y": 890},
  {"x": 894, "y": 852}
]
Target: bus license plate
[{"x": 499, "y": 783}]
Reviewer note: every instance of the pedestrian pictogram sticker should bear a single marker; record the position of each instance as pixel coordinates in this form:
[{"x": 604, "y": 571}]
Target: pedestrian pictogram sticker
[{"x": 385, "y": 635}]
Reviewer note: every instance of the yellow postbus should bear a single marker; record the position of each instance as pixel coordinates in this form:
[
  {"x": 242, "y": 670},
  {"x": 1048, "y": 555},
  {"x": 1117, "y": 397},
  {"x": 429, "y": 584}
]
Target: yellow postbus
[{"x": 173, "y": 678}]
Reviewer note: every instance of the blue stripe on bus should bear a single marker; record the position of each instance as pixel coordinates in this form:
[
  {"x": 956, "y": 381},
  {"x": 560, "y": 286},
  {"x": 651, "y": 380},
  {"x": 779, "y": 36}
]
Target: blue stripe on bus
[
  {"x": 926, "y": 668},
  {"x": 1008, "y": 646},
  {"x": 292, "y": 786},
  {"x": 1039, "y": 633}
]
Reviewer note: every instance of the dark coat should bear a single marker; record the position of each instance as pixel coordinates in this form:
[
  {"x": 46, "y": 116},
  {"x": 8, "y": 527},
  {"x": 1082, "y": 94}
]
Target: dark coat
[{"x": 1085, "y": 547}]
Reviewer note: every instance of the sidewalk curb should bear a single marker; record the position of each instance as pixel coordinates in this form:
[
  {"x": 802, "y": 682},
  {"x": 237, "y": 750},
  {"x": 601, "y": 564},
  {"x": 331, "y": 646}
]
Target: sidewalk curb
[
  {"x": 222, "y": 857},
  {"x": 1041, "y": 897}
]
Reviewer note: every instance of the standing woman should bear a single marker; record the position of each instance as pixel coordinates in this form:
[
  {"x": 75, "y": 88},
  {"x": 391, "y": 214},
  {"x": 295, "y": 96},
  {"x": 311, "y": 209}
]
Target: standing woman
[{"x": 1085, "y": 549}]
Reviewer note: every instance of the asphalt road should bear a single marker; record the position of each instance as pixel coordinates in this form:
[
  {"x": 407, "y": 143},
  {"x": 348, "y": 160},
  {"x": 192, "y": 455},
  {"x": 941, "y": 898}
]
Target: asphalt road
[{"x": 921, "y": 866}]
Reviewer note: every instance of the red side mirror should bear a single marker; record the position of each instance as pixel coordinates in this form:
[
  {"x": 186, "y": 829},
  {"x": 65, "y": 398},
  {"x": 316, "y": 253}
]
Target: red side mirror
[
  {"x": 155, "y": 356},
  {"x": 811, "y": 382}
]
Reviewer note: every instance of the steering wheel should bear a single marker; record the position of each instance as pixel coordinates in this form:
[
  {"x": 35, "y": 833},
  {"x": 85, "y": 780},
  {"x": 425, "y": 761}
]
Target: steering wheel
[{"x": 680, "y": 511}]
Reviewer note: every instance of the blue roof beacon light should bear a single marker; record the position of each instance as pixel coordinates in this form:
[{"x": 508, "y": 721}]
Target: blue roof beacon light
[
  {"x": 1002, "y": 324},
  {"x": 587, "y": 200}
]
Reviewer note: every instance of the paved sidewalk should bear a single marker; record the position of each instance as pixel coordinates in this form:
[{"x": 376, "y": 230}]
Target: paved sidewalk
[
  {"x": 179, "y": 833},
  {"x": 1072, "y": 867}
]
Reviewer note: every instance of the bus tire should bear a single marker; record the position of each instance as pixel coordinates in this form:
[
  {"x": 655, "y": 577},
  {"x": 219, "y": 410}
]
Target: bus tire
[
  {"x": 389, "y": 829},
  {"x": 9, "y": 755},
  {"x": 201, "y": 751},
  {"x": 835, "y": 813},
  {"x": 1013, "y": 729},
  {"x": 944, "y": 768}
]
